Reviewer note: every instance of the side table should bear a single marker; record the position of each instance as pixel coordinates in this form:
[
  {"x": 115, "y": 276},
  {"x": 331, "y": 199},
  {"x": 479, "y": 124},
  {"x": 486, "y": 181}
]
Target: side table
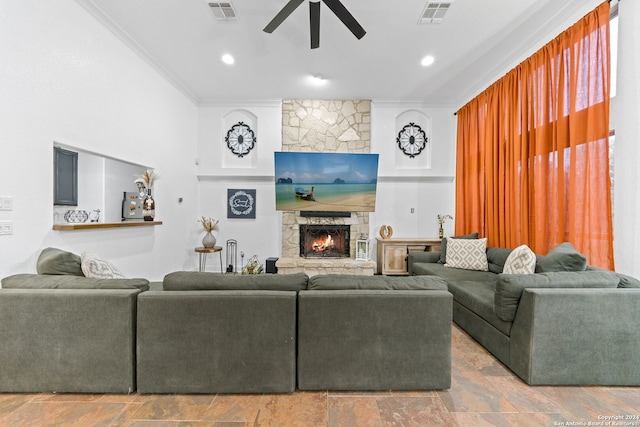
[{"x": 202, "y": 257}]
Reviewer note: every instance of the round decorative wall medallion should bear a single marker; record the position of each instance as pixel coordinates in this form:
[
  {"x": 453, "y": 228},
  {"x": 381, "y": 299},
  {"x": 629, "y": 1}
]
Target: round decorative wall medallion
[
  {"x": 240, "y": 139},
  {"x": 412, "y": 140}
]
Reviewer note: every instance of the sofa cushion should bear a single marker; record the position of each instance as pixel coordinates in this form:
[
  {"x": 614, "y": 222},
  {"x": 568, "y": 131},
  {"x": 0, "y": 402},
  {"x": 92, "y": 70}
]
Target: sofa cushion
[
  {"x": 478, "y": 298},
  {"x": 57, "y": 261},
  {"x": 496, "y": 257},
  {"x": 348, "y": 281},
  {"x": 563, "y": 257},
  {"x": 443, "y": 245},
  {"x": 47, "y": 281},
  {"x": 199, "y": 281},
  {"x": 627, "y": 281},
  {"x": 97, "y": 268},
  {"x": 452, "y": 274},
  {"x": 468, "y": 254},
  {"x": 521, "y": 260},
  {"x": 509, "y": 287}
]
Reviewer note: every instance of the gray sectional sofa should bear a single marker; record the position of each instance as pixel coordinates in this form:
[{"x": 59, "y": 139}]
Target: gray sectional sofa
[
  {"x": 374, "y": 333},
  {"x": 565, "y": 324},
  {"x": 63, "y": 332},
  {"x": 200, "y": 332},
  {"x": 215, "y": 333}
]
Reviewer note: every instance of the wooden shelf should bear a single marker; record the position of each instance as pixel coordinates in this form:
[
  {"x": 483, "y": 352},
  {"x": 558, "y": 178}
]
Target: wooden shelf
[{"x": 95, "y": 225}]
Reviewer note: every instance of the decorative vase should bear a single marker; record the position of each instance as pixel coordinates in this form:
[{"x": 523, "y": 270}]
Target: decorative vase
[
  {"x": 149, "y": 207},
  {"x": 209, "y": 240},
  {"x": 441, "y": 232}
]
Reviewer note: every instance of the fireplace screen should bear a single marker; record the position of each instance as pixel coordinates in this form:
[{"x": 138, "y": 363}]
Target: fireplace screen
[{"x": 324, "y": 241}]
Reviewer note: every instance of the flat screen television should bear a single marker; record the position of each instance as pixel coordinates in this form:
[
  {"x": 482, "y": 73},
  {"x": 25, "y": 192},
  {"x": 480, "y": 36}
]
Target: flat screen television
[{"x": 334, "y": 182}]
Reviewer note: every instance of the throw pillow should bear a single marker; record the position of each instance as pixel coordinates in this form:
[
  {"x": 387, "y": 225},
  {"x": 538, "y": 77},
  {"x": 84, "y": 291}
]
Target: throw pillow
[
  {"x": 467, "y": 254},
  {"x": 97, "y": 268},
  {"x": 443, "y": 245},
  {"x": 496, "y": 258},
  {"x": 521, "y": 260},
  {"x": 563, "y": 257},
  {"x": 57, "y": 261}
]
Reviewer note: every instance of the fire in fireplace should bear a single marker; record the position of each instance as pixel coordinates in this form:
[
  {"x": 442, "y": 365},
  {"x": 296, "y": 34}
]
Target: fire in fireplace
[{"x": 324, "y": 241}]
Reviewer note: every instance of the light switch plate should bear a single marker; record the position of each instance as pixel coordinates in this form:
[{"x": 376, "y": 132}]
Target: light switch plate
[
  {"x": 6, "y": 203},
  {"x": 6, "y": 228}
]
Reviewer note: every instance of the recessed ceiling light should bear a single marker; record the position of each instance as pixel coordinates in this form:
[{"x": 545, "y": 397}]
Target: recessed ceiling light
[
  {"x": 228, "y": 59},
  {"x": 317, "y": 80},
  {"x": 427, "y": 60}
]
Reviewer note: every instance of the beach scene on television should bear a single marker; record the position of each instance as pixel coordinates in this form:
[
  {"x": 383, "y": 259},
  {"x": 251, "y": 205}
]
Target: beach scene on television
[{"x": 326, "y": 181}]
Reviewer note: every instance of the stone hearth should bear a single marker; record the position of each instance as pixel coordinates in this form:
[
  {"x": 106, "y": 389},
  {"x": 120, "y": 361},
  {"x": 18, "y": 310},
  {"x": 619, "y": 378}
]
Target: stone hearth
[
  {"x": 315, "y": 266},
  {"x": 291, "y": 262}
]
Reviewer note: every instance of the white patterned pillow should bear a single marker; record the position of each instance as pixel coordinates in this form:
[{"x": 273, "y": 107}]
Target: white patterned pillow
[
  {"x": 468, "y": 254},
  {"x": 521, "y": 260},
  {"x": 97, "y": 268}
]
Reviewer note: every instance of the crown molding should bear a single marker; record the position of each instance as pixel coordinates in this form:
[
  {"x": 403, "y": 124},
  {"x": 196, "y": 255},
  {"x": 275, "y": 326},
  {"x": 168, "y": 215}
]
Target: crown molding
[
  {"x": 105, "y": 19},
  {"x": 240, "y": 103},
  {"x": 410, "y": 103}
]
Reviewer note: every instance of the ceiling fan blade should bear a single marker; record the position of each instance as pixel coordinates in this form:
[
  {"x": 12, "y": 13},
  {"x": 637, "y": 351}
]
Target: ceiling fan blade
[
  {"x": 282, "y": 15},
  {"x": 314, "y": 20},
  {"x": 346, "y": 17}
]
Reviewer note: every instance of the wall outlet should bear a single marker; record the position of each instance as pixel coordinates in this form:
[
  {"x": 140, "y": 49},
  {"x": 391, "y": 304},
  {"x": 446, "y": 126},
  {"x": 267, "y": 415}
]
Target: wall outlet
[
  {"x": 6, "y": 227},
  {"x": 6, "y": 203},
  {"x": 413, "y": 210}
]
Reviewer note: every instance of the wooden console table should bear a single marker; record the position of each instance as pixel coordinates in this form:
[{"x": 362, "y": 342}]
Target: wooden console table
[{"x": 392, "y": 253}]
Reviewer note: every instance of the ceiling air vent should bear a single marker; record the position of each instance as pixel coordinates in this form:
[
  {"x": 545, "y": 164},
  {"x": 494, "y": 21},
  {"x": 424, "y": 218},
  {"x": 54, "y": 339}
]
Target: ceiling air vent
[
  {"x": 434, "y": 12},
  {"x": 222, "y": 11}
]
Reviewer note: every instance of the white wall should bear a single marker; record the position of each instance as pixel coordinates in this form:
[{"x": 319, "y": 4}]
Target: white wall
[
  {"x": 430, "y": 191},
  {"x": 65, "y": 78},
  {"x": 219, "y": 170}
]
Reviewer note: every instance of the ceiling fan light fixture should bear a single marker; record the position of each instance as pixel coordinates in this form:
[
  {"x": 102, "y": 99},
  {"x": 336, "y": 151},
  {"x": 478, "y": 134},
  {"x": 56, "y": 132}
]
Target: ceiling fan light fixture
[{"x": 336, "y": 7}]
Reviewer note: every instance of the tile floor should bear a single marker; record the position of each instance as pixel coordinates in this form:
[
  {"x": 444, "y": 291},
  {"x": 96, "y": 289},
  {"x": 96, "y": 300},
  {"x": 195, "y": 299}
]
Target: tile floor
[{"x": 483, "y": 393}]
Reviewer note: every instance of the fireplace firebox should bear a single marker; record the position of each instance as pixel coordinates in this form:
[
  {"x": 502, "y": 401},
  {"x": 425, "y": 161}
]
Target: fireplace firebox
[{"x": 324, "y": 241}]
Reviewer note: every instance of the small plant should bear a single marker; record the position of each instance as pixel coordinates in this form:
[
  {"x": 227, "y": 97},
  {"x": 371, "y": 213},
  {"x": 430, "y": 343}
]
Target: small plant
[
  {"x": 443, "y": 218},
  {"x": 441, "y": 221},
  {"x": 147, "y": 178},
  {"x": 209, "y": 224},
  {"x": 253, "y": 266}
]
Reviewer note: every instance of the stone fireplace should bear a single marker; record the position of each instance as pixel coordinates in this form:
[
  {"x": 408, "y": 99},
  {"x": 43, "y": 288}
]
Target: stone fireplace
[
  {"x": 324, "y": 126},
  {"x": 324, "y": 241}
]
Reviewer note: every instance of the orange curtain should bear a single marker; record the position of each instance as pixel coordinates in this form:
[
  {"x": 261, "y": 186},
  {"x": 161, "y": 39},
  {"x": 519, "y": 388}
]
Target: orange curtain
[{"x": 532, "y": 149}]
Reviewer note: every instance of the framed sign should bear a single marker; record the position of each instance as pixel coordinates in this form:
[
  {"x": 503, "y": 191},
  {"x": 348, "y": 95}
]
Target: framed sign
[{"x": 241, "y": 203}]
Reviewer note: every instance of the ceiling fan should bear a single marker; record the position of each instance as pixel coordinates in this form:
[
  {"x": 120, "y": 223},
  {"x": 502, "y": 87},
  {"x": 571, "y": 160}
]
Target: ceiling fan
[{"x": 336, "y": 7}]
